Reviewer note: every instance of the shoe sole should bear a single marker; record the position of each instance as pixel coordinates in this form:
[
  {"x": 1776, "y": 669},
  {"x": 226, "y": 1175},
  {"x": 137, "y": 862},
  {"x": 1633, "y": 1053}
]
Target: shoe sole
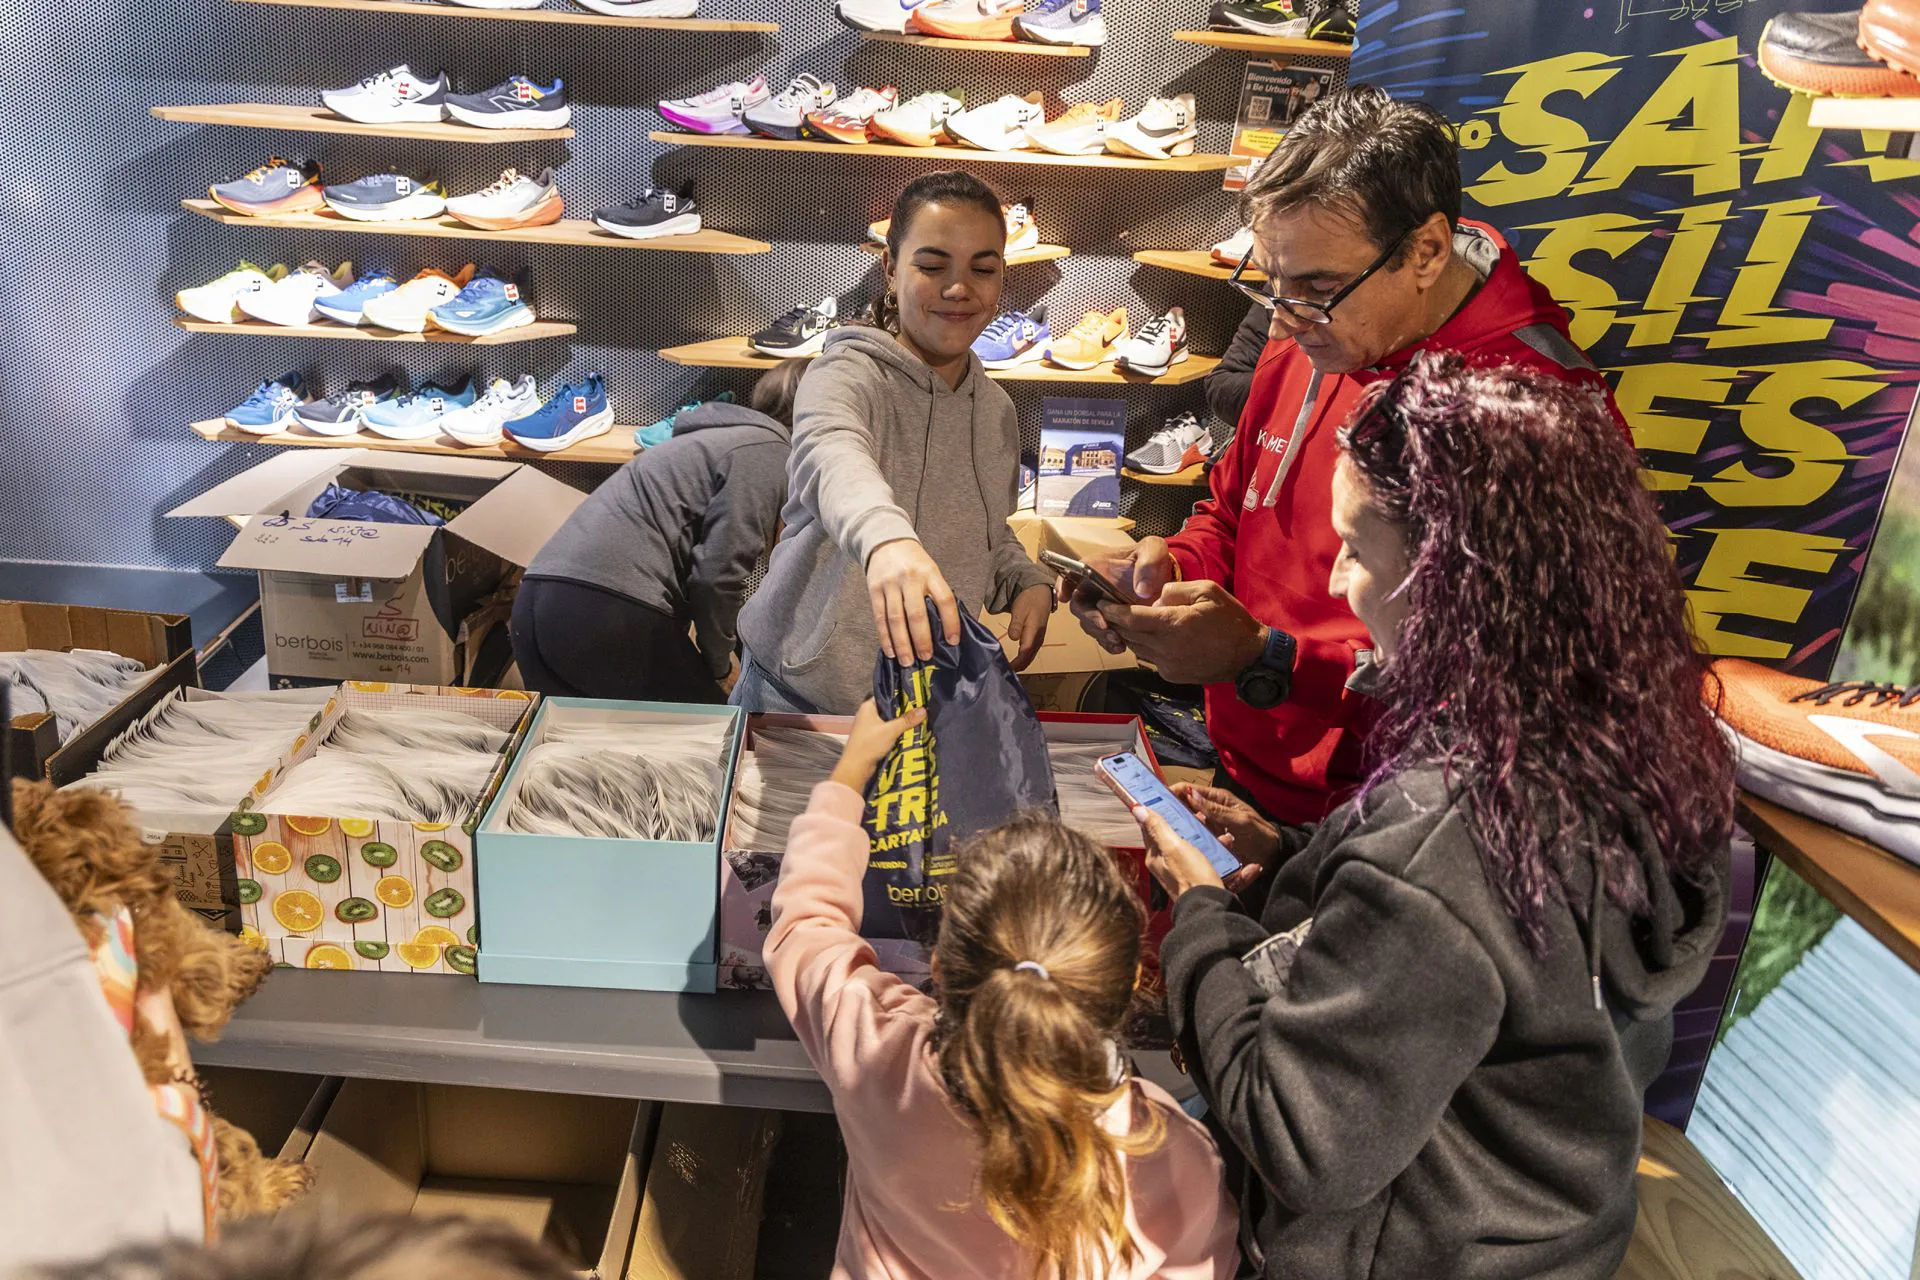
[
  {"x": 684, "y": 224},
  {"x": 1293, "y": 27},
  {"x": 694, "y": 124},
  {"x": 412, "y": 113},
  {"x": 1032, "y": 355},
  {"x": 349, "y": 318},
  {"x": 520, "y": 119},
  {"x": 653, "y": 9},
  {"x": 233, "y": 312},
  {"x": 597, "y": 424},
  {"x": 1009, "y": 142},
  {"x": 1857, "y": 805},
  {"x": 1079, "y": 363},
  {"x": 993, "y": 33},
  {"x": 405, "y": 209},
  {"x": 899, "y": 30},
  {"x": 305, "y": 200},
  {"x": 495, "y": 4},
  {"x": 1824, "y": 80},
  {"x": 546, "y": 213},
  {"x": 472, "y": 439},
  {"x": 517, "y": 319},
  {"x": 811, "y": 347},
  {"x": 1043, "y": 143},
  {"x": 390, "y": 431},
  {"x": 904, "y": 138},
  {"x": 1152, "y": 371},
  {"x": 1118, "y": 144},
  {"x": 785, "y": 133},
  {"x": 1088, "y": 35},
  {"x": 400, "y": 324},
  {"x": 838, "y": 134},
  {"x": 285, "y": 319},
  {"x": 1155, "y": 470},
  {"x": 332, "y": 430},
  {"x": 270, "y": 429}
]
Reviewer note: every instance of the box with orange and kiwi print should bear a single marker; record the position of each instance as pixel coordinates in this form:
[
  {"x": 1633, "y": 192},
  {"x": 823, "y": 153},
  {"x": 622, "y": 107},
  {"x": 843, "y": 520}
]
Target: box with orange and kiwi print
[{"x": 340, "y": 891}]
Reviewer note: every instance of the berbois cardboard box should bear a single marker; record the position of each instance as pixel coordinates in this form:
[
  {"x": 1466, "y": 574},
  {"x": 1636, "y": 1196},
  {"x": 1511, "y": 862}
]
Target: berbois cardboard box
[
  {"x": 1067, "y": 647},
  {"x": 348, "y": 599}
]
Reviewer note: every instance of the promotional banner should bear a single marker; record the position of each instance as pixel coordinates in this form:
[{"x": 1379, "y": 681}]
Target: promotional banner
[{"x": 1751, "y": 285}]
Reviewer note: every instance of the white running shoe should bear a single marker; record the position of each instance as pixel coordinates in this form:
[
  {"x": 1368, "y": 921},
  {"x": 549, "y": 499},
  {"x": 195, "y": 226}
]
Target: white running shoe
[
  {"x": 395, "y": 96},
  {"x": 918, "y": 122},
  {"x": 1166, "y": 127},
  {"x": 1160, "y": 344},
  {"x": 717, "y": 110},
  {"x": 1232, "y": 251},
  {"x": 289, "y": 301},
  {"x": 405, "y": 309},
  {"x": 998, "y": 126},
  {"x": 502, "y": 402},
  {"x": 879, "y": 15},
  {"x": 641, "y": 8},
  {"x": 1182, "y": 443},
  {"x": 218, "y": 301}
]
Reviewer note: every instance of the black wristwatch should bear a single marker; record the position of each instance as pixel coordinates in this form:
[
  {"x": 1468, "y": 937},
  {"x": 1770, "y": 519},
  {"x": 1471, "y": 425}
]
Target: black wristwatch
[{"x": 1269, "y": 680}]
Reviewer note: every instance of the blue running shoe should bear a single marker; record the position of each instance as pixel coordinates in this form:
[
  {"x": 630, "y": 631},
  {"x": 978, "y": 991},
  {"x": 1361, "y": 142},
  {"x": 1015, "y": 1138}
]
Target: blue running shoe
[
  {"x": 1072, "y": 22},
  {"x": 487, "y": 305},
  {"x": 270, "y": 408},
  {"x": 662, "y": 431},
  {"x": 1018, "y": 337},
  {"x": 278, "y": 186},
  {"x": 518, "y": 103},
  {"x": 344, "y": 307},
  {"x": 577, "y": 412},
  {"x": 340, "y": 414},
  {"x": 417, "y": 417}
]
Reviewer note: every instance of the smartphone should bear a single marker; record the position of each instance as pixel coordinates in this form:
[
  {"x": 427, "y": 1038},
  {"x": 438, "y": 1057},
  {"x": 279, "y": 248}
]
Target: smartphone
[
  {"x": 1090, "y": 579},
  {"x": 1131, "y": 780}
]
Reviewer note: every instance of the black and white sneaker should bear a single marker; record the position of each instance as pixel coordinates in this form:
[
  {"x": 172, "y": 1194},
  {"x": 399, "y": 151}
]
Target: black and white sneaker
[
  {"x": 1160, "y": 344},
  {"x": 516, "y": 103},
  {"x": 650, "y": 215},
  {"x": 800, "y": 332}
]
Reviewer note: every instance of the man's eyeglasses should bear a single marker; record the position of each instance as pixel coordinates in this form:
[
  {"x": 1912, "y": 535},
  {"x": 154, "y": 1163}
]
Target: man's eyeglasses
[{"x": 1303, "y": 309}]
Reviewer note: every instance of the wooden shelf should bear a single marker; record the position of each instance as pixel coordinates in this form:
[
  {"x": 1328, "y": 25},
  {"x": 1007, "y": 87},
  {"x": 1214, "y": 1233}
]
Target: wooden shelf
[
  {"x": 1199, "y": 162},
  {"x": 982, "y": 46},
  {"x": 278, "y": 115},
  {"x": 615, "y": 447},
  {"x": 1891, "y": 115},
  {"x": 1873, "y": 886},
  {"x": 1194, "y": 262},
  {"x": 1039, "y": 253},
  {"x": 569, "y": 231},
  {"x": 1192, "y": 477},
  {"x": 574, "y": 16},
  {"x": 734, "y": 353},
  {"x": 258, "y": 329},
  {"x": 1690, "y": 1226},
  {"x": 1248, "y": 42}
]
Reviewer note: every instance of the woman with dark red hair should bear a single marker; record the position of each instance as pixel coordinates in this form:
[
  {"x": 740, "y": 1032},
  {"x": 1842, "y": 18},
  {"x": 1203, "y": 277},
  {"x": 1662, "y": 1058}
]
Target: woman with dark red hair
[{"x": 1426, "y": 1025}]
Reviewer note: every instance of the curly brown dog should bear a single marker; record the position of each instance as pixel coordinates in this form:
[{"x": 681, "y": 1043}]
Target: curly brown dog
[{"x": 83, "y": 844}]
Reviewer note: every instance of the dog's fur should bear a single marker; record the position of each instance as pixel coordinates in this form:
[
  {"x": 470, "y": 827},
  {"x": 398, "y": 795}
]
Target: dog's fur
[{"x": 83, "y": 844}]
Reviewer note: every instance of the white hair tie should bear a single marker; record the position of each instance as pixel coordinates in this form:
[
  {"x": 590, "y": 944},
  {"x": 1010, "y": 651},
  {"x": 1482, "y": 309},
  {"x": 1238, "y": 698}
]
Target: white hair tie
[{"x": 1034, "y": 966}]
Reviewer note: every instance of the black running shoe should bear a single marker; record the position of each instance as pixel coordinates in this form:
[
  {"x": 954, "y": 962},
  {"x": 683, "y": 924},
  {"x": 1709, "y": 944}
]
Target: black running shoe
[
  {"x": 800, "y": 332},
  {"x": 651, "y": 214}
]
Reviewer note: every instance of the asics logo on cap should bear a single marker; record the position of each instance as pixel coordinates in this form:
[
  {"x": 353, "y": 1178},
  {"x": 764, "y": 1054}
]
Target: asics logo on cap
[
  {"x": 579, "y": 404},
  {"x": 1854, "y": 735},
  {"x": 513, "y": 293}
]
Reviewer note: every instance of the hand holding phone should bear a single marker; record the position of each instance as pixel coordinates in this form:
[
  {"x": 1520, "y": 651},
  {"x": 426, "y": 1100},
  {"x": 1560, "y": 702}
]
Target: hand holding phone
[
  {"x": 1090, "y": 581},
  {"x": 1131, "y": 780}
]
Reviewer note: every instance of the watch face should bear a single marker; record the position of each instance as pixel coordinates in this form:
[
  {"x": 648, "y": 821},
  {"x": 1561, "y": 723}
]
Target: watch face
[{"x": 1259, "y": 689}]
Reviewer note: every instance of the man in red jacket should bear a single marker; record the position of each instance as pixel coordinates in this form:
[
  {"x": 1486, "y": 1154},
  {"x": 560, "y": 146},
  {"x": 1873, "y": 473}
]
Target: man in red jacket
[{"x": 1356, "y": 217}]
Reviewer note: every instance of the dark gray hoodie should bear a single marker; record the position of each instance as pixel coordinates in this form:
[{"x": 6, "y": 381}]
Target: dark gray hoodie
[
  {"x": 681, "y": 526},
  {"x": 883, "y": 449},
  {"x": 1424, "y": 1096}
]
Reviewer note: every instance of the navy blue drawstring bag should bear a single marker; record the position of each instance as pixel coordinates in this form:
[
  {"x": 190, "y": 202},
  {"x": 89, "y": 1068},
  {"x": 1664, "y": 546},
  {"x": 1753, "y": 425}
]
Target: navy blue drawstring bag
[{"x": 979, "y": 757}]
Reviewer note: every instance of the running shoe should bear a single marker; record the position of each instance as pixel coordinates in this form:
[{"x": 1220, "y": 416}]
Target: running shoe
[
  {"x": 390, "y": 97},
  {"x": 656, "y": 434},
  {"x": 290, "y": 300},
  {"x": 641, "y": 8},
  {"x": 1182, "y": 443},
  {"x": 1890, "y": 31},
  {"x": 1166, "y": 127},
  {"x": 998, "y": 126},
  {"x": 479, "y": 423},
  {"x": 1286, "y": 18},
  {"x": 1846, "y": 752},
  {"x": 800, "y": 332},
  {"x": 517, "y": 103},
  {"x": 1820, "y": 54},
  {"x": 417, "y": 416},
  {"x": 218, "y": 300},
  {"x": 346, "y": 306},
  {"x": 878, "y": 15},
  {"x": 387, "y": 197},
  {"x": 1074, "y": 22},
  {"x": 495, "y": 4},
  {"x": 920, "y": 121},
  {"x": 651, "y": 215},
  {"x": 1160, "y": 344},
  {"x": 269, "y": 409},
  {"x": 1232, "y": 251},
  {"x": 786, "y": 115},
  {"x": 340, "y": 413},
  {"x": 1092, "y": 342},
  {"x": 487, "y": 305},
  {"x": 1022, "y": 232},
  {"x": 1015, "y": 338},
  {"x": 1080, "y": 130},
  {"x": 717, "y": 110},
  {"x": 968, "y": 19},
  {"x": 1334, "y": 21},
  {"x": 278, "y": 186},
  {"x": 576, "y": 412},
  {"x": 848, "y": 118},
  {"x": 511, "y": 201},
  {"x": 405, "y": 309}
]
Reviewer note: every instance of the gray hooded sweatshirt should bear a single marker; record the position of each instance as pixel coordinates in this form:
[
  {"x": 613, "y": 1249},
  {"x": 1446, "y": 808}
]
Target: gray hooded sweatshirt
[{"x": 883, "y": 450}]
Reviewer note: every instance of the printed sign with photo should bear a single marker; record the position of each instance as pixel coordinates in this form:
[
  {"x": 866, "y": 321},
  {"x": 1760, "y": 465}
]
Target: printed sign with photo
[{"x": 1272, "y": 96}]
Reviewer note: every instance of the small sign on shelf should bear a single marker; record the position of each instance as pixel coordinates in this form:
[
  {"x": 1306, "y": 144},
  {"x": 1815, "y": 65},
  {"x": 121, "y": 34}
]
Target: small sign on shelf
[{"x": 1272, "y": 96}]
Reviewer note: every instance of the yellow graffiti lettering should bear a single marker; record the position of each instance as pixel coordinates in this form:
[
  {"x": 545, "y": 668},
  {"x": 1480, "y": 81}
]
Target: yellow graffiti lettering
[
  {"x": 1523, "y": 119},
  {"x": 1592, "y": 300},
  {"x": 1657, "y": 431},
  {"x": 1792, "y": 145},
  {"x": 913, "y": 766},
  {"x": 1767, "y": 419},
  {"x": 913, "y": 805},
  {"x": 1704, "y": 90},
  {"x": 1748, "y": 318},
  {"x": 1727, "y": 586},
  {"x": 1879, "y": 165},
  {"x": 1680, "y": 270}
]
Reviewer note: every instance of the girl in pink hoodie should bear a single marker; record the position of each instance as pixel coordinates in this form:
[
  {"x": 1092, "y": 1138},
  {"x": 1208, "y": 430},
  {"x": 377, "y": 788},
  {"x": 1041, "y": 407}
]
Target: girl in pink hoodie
[{"x": 996, "y": 1130}]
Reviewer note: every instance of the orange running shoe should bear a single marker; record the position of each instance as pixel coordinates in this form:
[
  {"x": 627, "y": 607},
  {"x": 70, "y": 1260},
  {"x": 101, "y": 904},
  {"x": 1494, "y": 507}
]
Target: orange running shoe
[
  {"x": 278, "y": 186},
  {"x": 1092, "y": 342},
  {"x": 967, "y": 19},
  {"x": 850, "y": 117},
  {"x": 1821, "y": 54},
  {"x": 1847, "y": 753}
]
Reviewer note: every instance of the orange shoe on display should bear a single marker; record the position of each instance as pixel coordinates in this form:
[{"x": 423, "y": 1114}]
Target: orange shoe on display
[
  {"x": 1890, "y": 31},
  {"x": 1094, "y": 341},
  {"x": 967, "y": 19},
  {"x": 1846, "y": 753}
]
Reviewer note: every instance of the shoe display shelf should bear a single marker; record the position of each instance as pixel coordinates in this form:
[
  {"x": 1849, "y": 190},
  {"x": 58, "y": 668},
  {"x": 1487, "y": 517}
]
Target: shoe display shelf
[
  {"x": 566, "y": 15},
  {"x": 1876, "y": 888},
  {"x": 1192, "y": 477},
  {"x": 1899, "y": 118},
  {"x": 1198, "y": 162},
  {"x": 614, "y": 448},
  {"x": 1249, "y": 42},
  {"x": 981, "y": 46},
  {"x": 1193, "y": 262},
  {"x": 1039, "y": 253},
  {"x": 259, "y": 329},
  {"x": 734, "y": 353},
  {"x": 299, "y": 119},
  {"x": 568, "y": 231}
]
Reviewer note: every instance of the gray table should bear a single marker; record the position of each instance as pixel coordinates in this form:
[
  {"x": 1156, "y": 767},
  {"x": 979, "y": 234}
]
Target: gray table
[{"x": 733, "y": 1047}]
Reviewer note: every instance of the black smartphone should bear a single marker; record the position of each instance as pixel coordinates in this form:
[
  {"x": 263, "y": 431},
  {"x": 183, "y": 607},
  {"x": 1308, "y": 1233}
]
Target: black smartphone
[{"x": 1090, "y": 580}]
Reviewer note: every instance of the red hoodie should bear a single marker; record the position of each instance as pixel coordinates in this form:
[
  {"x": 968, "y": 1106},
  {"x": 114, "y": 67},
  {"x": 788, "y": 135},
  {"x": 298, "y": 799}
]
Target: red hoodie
[{"x": 1268, "y": 537}]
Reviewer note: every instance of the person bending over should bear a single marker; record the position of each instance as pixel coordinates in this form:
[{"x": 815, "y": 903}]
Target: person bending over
[
  {"x": 1428, "y": 1028},
  {"x": 905, "y": 463},
  {"x": 993, "y": 1128}
]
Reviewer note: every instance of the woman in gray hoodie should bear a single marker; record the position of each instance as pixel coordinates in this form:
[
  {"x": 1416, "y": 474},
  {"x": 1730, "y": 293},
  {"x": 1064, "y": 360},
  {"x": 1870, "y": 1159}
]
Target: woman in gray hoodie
[{"x": 904, "y": 470}]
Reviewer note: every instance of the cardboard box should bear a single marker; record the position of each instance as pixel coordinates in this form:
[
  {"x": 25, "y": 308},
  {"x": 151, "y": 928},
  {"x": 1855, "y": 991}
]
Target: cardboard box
[
  {"x": 706, "y": 1189},
  {"x": 163, "y": 642},
  {"x": 561, "y": 1169},
  {"x": 282, "y": 1110},
  {"x": 586, "y": 911},
  {"x": 338, "y": 891},
  {"x": 1068, "y": 647},
  {"x": 344, "y": 599}
]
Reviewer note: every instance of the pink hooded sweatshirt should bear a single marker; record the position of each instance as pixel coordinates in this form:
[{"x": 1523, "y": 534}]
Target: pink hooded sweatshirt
[{"x": 911, "y": 1211}]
